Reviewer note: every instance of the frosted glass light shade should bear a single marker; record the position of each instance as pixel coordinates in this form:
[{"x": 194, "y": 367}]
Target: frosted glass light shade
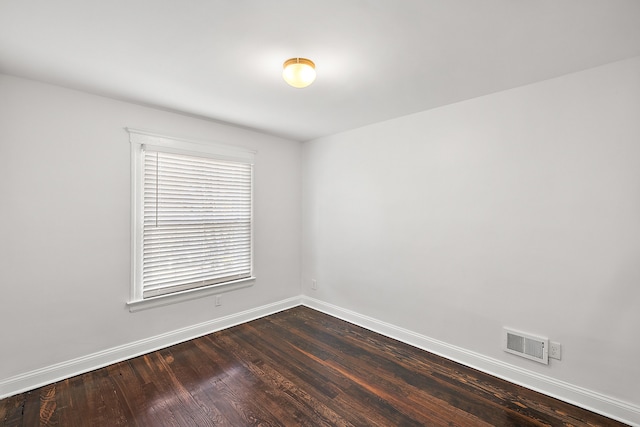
[{"x": 299, "y": 72}]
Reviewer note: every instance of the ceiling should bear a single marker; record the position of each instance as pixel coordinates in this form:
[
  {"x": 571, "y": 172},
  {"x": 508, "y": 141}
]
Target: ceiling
[{"x": 375, "y": 59}]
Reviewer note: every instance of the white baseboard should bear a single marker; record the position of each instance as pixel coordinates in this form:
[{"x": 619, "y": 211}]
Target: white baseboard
[
  {"x": 50, "y": 374},
  {"x": 587, "y": 399}
]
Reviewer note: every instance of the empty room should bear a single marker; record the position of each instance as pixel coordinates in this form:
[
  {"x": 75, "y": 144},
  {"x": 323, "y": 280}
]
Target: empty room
[{"x": 320, "y": 213}]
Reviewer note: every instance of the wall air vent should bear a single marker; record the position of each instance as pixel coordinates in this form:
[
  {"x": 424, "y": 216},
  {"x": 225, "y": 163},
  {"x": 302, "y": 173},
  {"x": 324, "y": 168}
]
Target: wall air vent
[{"x": 525, "y": 345}]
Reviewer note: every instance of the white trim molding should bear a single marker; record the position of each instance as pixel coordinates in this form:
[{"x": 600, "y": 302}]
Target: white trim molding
[
  {"x": 143, "y": 297},
  {"x": 172, "y": 144},
  {"x": 190, "y": 294},
  {"x": 59, "y": 371},
  {"x": 610, "y": 407}
]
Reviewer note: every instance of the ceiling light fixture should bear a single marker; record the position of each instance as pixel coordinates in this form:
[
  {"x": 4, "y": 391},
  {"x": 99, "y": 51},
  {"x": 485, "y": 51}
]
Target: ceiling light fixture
[{"x": 299, "y": 72}]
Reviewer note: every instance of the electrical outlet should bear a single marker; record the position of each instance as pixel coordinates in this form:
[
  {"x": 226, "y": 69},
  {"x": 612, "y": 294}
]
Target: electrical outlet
[
  {"x": 555, "y": 350},
  {"x": 217, "y": 301},
  {"x": 314, "y": 284}
]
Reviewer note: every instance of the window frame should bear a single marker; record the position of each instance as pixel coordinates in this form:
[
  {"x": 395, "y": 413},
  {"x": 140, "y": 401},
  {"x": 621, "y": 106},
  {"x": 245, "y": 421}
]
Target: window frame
[{"x": 139, "y": 139}]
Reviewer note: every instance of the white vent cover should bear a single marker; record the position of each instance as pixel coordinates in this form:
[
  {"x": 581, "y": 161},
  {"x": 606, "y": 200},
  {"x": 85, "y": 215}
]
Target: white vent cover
[{"x": 526, "y": 345}]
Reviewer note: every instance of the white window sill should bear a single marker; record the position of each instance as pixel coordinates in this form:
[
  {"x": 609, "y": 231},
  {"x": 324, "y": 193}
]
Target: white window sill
[{"x": 161, "y": 300}]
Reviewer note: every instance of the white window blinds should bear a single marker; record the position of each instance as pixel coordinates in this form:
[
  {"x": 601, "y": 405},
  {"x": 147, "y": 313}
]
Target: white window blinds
[{"x": 196, "y": 222}]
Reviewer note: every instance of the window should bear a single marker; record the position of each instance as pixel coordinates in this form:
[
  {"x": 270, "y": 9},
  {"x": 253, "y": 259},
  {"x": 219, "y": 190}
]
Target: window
[{"x": 192, "y": 218}]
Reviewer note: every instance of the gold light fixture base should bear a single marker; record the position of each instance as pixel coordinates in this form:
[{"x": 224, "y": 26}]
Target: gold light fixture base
[{"x": 299, "y": 72}]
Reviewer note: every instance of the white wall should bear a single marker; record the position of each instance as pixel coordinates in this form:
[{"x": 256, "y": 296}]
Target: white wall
[
  {"x": 65, "y": 224},
  {"x": 518, "y": 209}
]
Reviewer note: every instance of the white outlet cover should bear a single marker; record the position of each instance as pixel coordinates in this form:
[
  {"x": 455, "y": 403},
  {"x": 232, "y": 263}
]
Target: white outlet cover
[{"x": 555, "y": 350}]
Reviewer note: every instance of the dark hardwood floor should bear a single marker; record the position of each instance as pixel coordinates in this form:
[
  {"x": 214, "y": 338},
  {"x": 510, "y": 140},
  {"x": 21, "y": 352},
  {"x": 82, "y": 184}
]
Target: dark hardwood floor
[{"x": 294, "y": 368}]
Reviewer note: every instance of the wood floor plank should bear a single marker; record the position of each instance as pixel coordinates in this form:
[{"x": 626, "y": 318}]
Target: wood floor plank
[
  {"x": 244, "y": 392},
  {"x": 196, "y": 383},
  {"x": 298, "y": 367},
  {"x": 12, "y": 410},
  {"x": 327, "y": 358},
  {"x": 382, "y": 374},
  {"x": 132, "y": 394},
  {"x": 65, "y": 403},
  {"x": 307, "y": 410},
  {"x": 207, "y": 365},
  {"x": 350, "y": 401},
  {"x": 170, "y": 399},
  {"x": 48, "y": 414},
  {"x": 377, "y": 367}
]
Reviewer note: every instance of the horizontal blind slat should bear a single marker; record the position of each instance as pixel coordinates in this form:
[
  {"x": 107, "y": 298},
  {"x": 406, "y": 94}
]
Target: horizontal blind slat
[
  {"x": 162, "y": 290},
  {"x": 186, "y": 275},
  {"x": 194, "y": 277},
  {"x": 199, "y": 257},
  {"x": 196, "y": 222}
]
